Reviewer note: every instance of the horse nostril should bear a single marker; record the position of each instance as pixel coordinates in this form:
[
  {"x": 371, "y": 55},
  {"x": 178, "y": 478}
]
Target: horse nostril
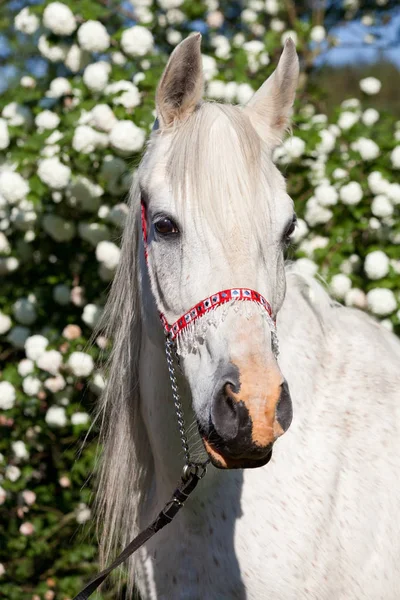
[
  {"x": 284, "y": 410},
  {"x": 224, "y": 414}
]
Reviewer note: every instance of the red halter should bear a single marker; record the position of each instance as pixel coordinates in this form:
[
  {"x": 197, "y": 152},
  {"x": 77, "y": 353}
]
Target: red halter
[{"x": 203, "y": 307}]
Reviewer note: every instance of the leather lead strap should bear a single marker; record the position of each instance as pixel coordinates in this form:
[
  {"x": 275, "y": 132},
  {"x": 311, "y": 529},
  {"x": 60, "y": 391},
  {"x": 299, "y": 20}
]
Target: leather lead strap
[{"x": 169, "y": 511}]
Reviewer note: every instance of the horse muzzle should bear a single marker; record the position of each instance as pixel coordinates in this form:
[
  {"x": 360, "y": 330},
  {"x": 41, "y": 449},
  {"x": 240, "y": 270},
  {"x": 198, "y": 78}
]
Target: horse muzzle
[{"x": 243, "y": 426}]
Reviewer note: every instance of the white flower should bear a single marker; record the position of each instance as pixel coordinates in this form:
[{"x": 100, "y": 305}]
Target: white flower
[
  {"x": 370, "y": 86},
  {"x": 56, "y": 416},
  {"x": 92, "y": 313},
  {"x": 93, "y": 36},
  {"x": 24, "y": 311},
  {"x": 173, "y": 37},
  {"x": 309, "y": 246},
  {"x": 119, "y": 59},
  {"x": 35, "y": 345},
  {"x": 294, "y": 146},
  {"x": 318, "y": 34},
  {"x": 86, "y": 139},
  {"x": 4, "y": 244},
  {"x": 18, "y": 336},
  {"x": 376, "y": 265},
  {"x": 61, "y": 294},
  {"x": 127, "y": 138},
  {"x": 16, "y": 114},
  {"x": 328, "y": 141},
  {"x": 387, "y": 324},
  {"x": 59, "y": 18},
  {"x": 13, "y": 187},
  {"x": 4, "y": 136},
  {"x": 7, "y": 395},
  {"x": 381, "y": 206},
  {"x": 272, "y": 7},
  {"x": 289, "y": 34},
  {"x": 316, "y": 214},
  {"x": 29, "y": 497},
  {"x": 93, "y": 232},
  {"x": 393, "y": 192},
  {"x": 222, "y": 46},
  {"x": 47, "y": 120},
  {"x": 3, "y": 496},
  {"x": 129, "y": 99},
  {"x": 230, "y": 91},
  {"x": 117, "y": 215},
  {"x": 55, "y": 384},
  {"x": 244, "y": 93},
  {"x": 54, "y": 173},
  {"x": 367, "y": 148},
  {"x": 5, "y": 323},
  {"x": 28, "y": 82},
  {"x": 351, "y": 193},
  {"x": 12, "y": 472},
  {"x": 370, "y": 117},
  {"x": 347, "y": 119},
  {"x": 395, "y": 157},
  {"x": 26, "y": 22},
  {"x": 340, "y": 285},
  {"x": 60, "y": 86},
  {"x": 103, "y": 117},
  {"x": 95, "y": 76},
  {"x": 81, "y": 364},
  {"x": 58, "y": 228},
  {"x": 381, "y": 301},
  {"x": 137, "y": 41},
  {"x": 277, "y": 25},
  {"x": 53, "y": 52},
  {"x": 356, "y": 297},
  {"x": 25, "y": 366},
  {"x": 85, "y": 193},
  {"x": 98, "y": 383},
  {"x": 108, "y": 254},
  {"x": 19, "y": 449},
  {"x": 307, "y": 267},
  {"x": 300, "y": 231},
  {"x": 168, "y": 4},
  {"x": 326, "y": 194},
  {"x": 54, "y": 137},
  {"x": 79, "y": 418},
  {"x": 31, "y": 385},
  {"x": 83, "y": 513},
  {"x": 76, "y": 59},
  {"x": 50, "y": 361},
  {"x": 377, "y": 184},
  {"x": 210, "y": 69},
  {"x": 339, "y": 173}
]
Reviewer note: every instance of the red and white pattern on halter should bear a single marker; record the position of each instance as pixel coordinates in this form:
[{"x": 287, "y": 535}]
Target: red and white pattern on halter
[{"x": 210, "y": 303}]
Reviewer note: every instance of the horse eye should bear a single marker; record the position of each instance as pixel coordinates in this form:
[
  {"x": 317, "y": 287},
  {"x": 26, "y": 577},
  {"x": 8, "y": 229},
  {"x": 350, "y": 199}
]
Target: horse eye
[
  {"x": 289, "y": 231},
  {"x": 165, "y": 226}
]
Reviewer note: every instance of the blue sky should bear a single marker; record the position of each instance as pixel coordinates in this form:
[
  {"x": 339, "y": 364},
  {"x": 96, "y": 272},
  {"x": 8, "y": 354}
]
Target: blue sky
[{"x": 352, "y": 50}]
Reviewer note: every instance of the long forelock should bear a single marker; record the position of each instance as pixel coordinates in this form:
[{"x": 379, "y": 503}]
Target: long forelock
[{"x": 217, "y": 159}]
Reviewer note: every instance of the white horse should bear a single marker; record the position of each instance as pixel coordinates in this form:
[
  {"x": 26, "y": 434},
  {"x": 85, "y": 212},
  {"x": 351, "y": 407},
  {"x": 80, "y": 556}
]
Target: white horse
[{"x": 320, "y": 520}]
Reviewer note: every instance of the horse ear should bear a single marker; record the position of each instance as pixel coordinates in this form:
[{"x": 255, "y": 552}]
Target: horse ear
[
  {"x": 271, "y": 106},
  {"x": 181, "y": 86}
]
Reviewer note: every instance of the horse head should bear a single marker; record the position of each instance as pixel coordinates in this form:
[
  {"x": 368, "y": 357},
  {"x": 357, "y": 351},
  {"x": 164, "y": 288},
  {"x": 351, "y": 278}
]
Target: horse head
[{"x": 217, "y": 218}]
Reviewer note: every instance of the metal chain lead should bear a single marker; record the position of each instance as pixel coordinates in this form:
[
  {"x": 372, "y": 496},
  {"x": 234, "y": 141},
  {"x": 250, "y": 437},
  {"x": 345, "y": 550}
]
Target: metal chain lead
[{"x": 177, "y": 401}]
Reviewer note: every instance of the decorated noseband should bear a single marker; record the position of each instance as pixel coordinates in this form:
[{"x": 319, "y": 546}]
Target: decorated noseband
[{"x": 210, "y": 303}]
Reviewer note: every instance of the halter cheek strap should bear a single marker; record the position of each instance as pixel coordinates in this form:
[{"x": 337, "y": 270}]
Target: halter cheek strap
[{"x": 210, "y": 303}]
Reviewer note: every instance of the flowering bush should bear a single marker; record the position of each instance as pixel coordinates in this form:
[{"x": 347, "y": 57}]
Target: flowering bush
[{"x": 69, "y": 142}]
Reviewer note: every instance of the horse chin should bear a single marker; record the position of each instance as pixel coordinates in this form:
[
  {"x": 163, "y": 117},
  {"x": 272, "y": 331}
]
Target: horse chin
[{"x": 229, "y": 462}]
